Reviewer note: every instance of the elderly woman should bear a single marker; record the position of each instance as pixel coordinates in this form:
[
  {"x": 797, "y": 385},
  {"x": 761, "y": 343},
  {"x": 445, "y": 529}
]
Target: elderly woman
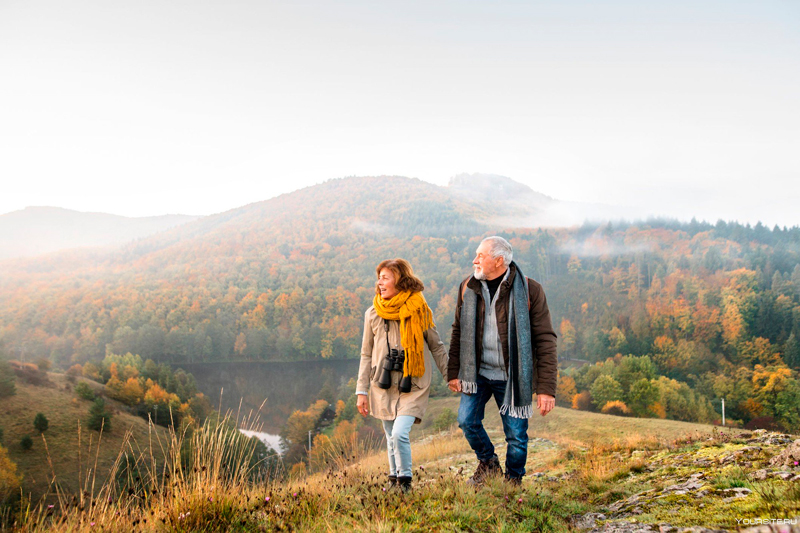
[{"x": 394, "y": 378}]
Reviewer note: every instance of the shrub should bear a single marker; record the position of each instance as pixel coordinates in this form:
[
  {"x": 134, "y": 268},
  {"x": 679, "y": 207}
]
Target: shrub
[
  {"x": 40, "y": 422},
  {"x": 763, "y": 422},
  {"x": 99, "y": 417},
  {"x": 44, "y": 364},
  {"x": 582, "y": 401},
  {"x": 83, "y": 390},
  {"x": 616, "y": 407},
  {"x": 29, "y": 373},
  {"x": 445, "y": 420},
  {"x": 26, "y": 442}
]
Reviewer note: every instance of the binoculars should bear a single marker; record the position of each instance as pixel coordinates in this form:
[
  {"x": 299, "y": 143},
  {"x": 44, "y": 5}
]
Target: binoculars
[{"x": 394, "y": 363}]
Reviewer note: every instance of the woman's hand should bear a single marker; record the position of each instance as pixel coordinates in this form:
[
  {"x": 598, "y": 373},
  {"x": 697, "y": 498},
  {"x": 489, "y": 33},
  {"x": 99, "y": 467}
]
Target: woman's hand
[
  {"x": 455, "y": 385},
  {"x": 362, "y": 404}
]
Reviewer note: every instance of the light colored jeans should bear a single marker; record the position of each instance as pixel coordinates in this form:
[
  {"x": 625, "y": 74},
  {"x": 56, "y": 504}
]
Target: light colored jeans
[{"x": 398, "y": 444}]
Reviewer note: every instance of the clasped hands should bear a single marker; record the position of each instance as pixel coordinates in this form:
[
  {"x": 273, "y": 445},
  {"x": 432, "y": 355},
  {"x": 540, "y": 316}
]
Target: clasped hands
[{"x": 544, "y": 402}]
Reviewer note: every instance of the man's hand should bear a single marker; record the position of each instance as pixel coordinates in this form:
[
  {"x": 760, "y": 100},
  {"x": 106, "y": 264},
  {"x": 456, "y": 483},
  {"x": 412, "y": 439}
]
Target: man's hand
[
  {"x": 362, "y": 404},
  {"x": 545, "y": 403},
  {"x": 455, "y": 385}
]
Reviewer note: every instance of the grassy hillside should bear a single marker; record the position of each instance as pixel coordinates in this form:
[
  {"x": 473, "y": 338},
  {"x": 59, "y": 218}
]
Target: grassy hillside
[
  {"x": 64, "y": 451},
  {"x": 568, "y": 426},
  {"x": 585, "y": 471}
]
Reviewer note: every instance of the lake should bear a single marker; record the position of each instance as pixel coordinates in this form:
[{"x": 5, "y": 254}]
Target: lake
[
  {"x": 268, "y": 391},
  {"x": 272, "y": 441}
]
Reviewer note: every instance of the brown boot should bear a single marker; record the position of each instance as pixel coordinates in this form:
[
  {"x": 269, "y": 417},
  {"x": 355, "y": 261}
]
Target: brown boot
[{"x": 485, "y": 470}]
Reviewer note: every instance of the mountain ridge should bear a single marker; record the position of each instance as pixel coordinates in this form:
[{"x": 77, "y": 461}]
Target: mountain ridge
[{"x": 38, "y": 230}]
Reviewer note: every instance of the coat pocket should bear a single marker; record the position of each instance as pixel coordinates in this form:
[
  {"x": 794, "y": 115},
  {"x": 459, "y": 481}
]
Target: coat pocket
[{"x": 372, "y": 372}]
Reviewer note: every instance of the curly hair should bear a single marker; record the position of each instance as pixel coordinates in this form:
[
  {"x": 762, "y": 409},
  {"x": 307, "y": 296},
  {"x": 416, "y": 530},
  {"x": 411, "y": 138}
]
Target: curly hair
[{"x": 403, "y": 273}]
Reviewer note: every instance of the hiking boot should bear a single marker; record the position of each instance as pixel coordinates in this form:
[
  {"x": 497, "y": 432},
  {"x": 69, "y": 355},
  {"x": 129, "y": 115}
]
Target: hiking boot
[
  {"x": 513, "y": 481},
  {"x": 404, "y": 482},
  {"x": 485, "y": 470},
  {"x": 392, "y": 481}
]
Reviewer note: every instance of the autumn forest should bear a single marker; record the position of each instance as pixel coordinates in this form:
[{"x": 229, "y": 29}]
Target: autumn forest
[{"x": 655, "y": 318}]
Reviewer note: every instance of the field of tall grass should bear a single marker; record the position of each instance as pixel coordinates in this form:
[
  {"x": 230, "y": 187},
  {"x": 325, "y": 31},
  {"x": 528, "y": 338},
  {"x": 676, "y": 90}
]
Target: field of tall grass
[{"x": 209, "y": 482}]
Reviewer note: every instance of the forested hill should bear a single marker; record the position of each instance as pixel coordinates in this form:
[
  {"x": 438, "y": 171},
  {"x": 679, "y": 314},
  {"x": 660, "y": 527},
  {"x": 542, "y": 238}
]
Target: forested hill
[
  {"x": 285, "y": 278},
  {"x": 715, "y": 308}
]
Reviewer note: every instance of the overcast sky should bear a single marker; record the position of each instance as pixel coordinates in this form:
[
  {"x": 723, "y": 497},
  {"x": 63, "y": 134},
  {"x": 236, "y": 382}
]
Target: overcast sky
[{"x": 151, "y": 107}]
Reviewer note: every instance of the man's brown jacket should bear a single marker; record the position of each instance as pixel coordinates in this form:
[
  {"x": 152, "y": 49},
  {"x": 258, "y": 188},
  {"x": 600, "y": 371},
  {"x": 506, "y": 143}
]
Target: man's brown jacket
[{"x": 545, "y": 360}]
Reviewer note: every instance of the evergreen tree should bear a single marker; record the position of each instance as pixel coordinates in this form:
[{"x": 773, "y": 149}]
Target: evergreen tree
[
  {"x": 40, "y": 422},
  {"x": 99, "y": 417},
  {"x": 791, "y": 352},
  {"x": 26, "y": 442}
]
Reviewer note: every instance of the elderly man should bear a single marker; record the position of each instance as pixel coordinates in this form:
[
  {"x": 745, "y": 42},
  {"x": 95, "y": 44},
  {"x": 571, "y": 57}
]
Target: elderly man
[{"x": 502, "y": 345}]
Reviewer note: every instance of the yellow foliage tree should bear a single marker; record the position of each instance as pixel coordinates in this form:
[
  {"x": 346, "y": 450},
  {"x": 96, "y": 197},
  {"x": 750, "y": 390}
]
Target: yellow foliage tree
[
  {"x": 565, "y": 391},
  {"x": 567, "y": 337},
  {"x": 297, "y": 427},
  {"x": 345, "y": 431},
  {"x": 155, "y": 395},
  {"x": 658, "y": 410},
  {"x": 320, "y": 451},
  {"x": 132, "y": 392},
  {"x": 299, "y": 471},
  {"x": 340, "y": 405},
  {"x": 9, "y": 480},
  {"x": 582, "y": 401},
  {"x": 114, "y": 387},
  {"x": 129, "y": 371}
]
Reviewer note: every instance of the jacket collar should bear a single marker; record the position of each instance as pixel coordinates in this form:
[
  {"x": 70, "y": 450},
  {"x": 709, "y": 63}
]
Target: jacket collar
[{"x": 475, "y": 285}]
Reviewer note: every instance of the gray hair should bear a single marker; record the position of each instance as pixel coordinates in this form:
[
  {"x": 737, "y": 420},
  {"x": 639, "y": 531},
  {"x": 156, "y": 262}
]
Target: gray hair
[{"x": 499, "y": 247}]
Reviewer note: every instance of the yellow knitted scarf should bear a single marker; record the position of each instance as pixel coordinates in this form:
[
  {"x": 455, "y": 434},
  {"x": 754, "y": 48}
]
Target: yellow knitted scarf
[{"x": 415, "y": 318}]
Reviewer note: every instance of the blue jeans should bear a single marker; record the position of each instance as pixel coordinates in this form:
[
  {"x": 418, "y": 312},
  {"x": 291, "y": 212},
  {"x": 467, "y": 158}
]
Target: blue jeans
[
  {"x": 470, "y": 420},
  {"x": 398, "y": 444}
]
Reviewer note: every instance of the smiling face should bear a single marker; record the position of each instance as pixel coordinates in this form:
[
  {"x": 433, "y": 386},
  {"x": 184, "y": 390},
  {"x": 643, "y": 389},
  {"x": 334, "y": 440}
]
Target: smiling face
[
  {"x": 486, "y": 266},
  {"x": 387, "y": 284}
]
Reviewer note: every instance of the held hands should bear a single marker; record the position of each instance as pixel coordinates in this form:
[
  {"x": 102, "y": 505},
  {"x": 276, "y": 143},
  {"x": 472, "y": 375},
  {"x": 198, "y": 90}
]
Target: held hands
[
  {"x": 545, "y": 403},
  {"x": 362, "y": 404},
  {"x": 454, "y": 385}
]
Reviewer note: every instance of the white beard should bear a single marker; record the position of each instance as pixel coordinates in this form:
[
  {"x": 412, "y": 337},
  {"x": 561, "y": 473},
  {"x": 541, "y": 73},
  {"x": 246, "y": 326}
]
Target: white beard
[{"x": 479, "y": 274}]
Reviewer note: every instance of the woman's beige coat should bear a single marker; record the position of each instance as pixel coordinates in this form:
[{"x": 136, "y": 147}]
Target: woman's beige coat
[{"x": 387, "y": 404}]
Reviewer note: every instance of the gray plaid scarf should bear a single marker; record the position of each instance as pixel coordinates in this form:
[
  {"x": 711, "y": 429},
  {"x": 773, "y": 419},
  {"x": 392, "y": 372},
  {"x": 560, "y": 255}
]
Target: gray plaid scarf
[{"x": 517, "y": 401}]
